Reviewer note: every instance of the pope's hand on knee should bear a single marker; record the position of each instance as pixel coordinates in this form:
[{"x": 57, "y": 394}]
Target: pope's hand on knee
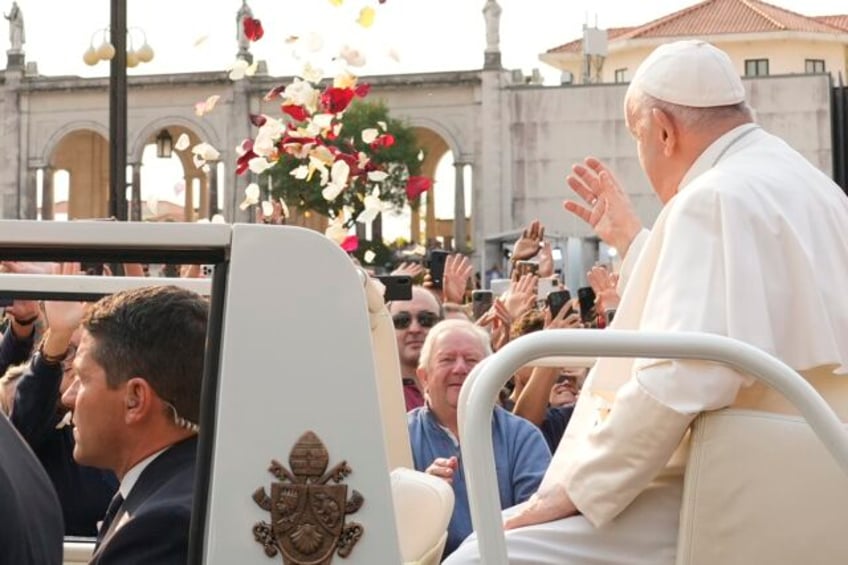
[{"x": 552, "y": 504}]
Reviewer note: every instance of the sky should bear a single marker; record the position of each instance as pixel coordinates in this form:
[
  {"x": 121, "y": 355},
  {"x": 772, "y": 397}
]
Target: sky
[{"x": 408, "y": 36}]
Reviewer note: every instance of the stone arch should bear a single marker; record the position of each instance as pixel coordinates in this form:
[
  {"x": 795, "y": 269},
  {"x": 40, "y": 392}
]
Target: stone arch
[
  {"x": 84, "y": 153},
  {"x": 57, "y": 136},
  {"x": 436, "y": 141},
  {"x": 198, "y": 131}
]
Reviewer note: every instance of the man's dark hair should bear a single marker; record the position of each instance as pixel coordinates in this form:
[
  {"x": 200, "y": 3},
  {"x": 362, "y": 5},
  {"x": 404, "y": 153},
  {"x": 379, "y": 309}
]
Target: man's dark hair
[{"x": 155, "y": 333}]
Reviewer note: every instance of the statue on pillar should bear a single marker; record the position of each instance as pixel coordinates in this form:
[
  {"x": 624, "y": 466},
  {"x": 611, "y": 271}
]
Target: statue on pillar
[
  {"x": 492, "y": 13},
  {"x": 16, "y": 28},
  {"x": 241, "y": 37}
]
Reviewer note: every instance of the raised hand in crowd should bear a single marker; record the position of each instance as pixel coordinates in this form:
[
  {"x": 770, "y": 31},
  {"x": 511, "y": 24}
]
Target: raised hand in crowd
[
  {"x": 603, "y": 282},
  {"x": 62, "y": 318},
  {"x": 410, "y": 269},
  {"x": 29, "y": 267},
  {"x": 606, "y": 206},
  {"x": 190, "y": 271},
  {"x": 521, "y": 295},
  {"x": 499, "y": 321},
  {"x": 527, "y": 245},
  {"x": 458, "y": 271},
  {"x": 546, "y": 260}
]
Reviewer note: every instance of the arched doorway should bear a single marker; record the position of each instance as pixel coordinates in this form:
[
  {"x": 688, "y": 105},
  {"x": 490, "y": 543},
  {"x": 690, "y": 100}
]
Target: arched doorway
[{"x": 84, "y": 156}]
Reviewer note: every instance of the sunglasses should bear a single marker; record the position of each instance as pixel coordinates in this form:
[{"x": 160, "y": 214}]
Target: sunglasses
[{"x": 403, "y": 320}]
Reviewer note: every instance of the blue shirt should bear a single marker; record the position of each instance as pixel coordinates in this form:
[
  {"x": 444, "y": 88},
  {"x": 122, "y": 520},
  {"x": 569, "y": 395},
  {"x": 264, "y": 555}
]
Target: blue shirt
[{"x": 521, "y": 458}]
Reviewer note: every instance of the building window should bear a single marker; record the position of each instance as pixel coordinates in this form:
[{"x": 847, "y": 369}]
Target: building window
[
  {"x": 756, "y": 67},
  {"x": 621, "y": 75},
  {"x": 813, "y": 66}
]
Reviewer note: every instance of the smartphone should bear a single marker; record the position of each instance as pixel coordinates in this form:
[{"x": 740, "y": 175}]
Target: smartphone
[
  {"x": 438, "y": 257},
  {"x": 556, "y": 300},
  {"x": 527, "y": 267},
  {"x": 586, "y": 297},
  {"x": 481, "y": 302},
  {"x": 398, "y": 287}
]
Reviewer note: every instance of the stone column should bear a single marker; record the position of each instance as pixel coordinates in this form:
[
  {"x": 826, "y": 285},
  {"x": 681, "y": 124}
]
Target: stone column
[
  {"x": 212, "y": 179},
  {"x": 135, "y": 197},
  {"x": 203, "y": 203},
  {"x": 415, "y": 222},
  {"x": 188, "y": 209},
  {"x": 47, "y": 193},
  {"x": 29, "y": 202},
  {"x": 430, "y": 235},
  {"x": 459, "y": 236}
]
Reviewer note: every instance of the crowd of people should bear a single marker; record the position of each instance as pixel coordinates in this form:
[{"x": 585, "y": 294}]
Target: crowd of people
[{"x": 107, "y": 394}]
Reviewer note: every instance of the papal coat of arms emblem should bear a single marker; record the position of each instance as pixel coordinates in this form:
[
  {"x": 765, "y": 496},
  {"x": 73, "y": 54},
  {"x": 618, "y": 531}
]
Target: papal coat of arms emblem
[{"x": 308, "y": 514}]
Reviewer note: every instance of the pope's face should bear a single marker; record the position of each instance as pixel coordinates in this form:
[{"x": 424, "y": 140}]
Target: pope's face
[{"x": 646, "y": 129}]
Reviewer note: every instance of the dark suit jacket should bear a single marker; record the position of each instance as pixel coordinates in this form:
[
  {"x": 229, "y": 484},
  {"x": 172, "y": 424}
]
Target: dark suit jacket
[
  {"x": 158, "y": 512},
  {"x": 31, "y": 527}
]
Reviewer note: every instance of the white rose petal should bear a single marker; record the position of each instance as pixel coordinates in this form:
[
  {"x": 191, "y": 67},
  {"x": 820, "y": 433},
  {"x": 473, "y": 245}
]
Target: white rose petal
[
  {"x": 267, "y": 208},
  {"x": 383, "y": 125},
  {"x": 311, "y": 74},
  {"x": 377, "y": 176},
  {"x": 352, "y": 57},
  {"x": 259, "y": 165},
  {"x": 323, "y": 121},
  {"x": 369, "y": 135},
  {"x": 339, "y": 173},
  {"x": 331, "y": 191},
  {"x": 251, "y": 195},
  {"x": 369, "y": 256},
  {"x": 218, "y": 219},
  {"x": 300, "y": 172},
  {"x": 238, "y": 69},
  {"x": 183, "y": 142}
]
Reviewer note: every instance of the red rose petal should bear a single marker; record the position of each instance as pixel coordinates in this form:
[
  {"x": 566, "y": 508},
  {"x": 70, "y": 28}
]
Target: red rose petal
[
  {"x": 350, "y": 243},
  {"x": 416, "y": 186},
  {"x": 298, "y": 113},
  {"x": 253, "y": 29}
]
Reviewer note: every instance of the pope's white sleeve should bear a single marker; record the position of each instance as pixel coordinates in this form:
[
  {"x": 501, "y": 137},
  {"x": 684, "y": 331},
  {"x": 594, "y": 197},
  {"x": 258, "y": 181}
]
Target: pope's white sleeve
[
  {"x": 629, "y": 261},
  {"x": 621, "y": 455}
]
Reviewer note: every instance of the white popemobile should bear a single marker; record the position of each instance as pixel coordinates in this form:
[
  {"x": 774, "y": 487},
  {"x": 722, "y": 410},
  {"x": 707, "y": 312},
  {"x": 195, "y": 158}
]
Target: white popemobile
[{"x": 304, "y": 455}]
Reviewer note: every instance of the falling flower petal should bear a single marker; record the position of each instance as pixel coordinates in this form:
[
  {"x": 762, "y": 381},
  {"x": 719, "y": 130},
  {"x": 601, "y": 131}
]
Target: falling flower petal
[
  {"x": 251, "y": 196},
  {"x": 311, "y": 74},
  {"x": 373, "y": 207},
  {"x": 377, "y": 176},
  {"x": 300, "y": 172},
  {"x": 362, "y": 90},
  {"x": 323, "y": 121},
  {"x": 259, "y": 165},
  {"x": 298, "y": 113},
  {"x": 251, "y": 69},
  {"x": 218, "y": 219},
  {"x": 253, "y": 29},
  {"x": 331, "y": 191},
  {"x": 369, "y": 256},
  {"x": 383, "y": 125},
  {"x": 352, "y": 56},
  {"x": 336, "y": 230},
  {"x": 204, "y": 152},
  {"x": 267, "y": 208},
  {"x": 416, "y": 186},
  {"x": 313, "y": 42},
  {"x": 284, "y": 208},
  {"x": 350, "y": 243},
  {"x": 394, "y": 55},
  {"x": 369, "y": 135},
  {"x": 238, "y": 69},
  {"x": 200, "y": 40},
  {"x": 258, "y": 119},
  {"x": 335, "y": 100},
  {"x": 420, "y": 154},
  {"x": 366, "y": 17},
  {"x": 183, "y": 142},
  {"x": 202, "y": 108}
]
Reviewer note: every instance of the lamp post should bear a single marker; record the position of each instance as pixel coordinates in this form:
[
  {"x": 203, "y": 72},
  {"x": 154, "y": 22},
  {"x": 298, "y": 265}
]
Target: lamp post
[{"x": 115, "y": 50}]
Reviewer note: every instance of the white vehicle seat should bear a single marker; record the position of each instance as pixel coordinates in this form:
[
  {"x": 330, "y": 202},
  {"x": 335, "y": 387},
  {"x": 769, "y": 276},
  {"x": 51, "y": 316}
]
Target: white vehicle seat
[{"x": 791, "y": 504}]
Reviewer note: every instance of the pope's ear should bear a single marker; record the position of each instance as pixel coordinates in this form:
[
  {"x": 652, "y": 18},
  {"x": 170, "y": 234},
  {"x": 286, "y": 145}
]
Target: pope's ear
[{"x": 666, "y": 129}]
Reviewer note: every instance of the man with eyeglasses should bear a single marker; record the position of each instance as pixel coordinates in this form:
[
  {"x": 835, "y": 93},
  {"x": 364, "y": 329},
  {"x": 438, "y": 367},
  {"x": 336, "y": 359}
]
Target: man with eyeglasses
[{"x": 413, "y": 320}]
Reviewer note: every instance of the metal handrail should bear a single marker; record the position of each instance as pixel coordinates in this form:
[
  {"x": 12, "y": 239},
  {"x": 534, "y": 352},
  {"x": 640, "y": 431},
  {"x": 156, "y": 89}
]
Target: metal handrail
[{"x": 481, "y": 388}]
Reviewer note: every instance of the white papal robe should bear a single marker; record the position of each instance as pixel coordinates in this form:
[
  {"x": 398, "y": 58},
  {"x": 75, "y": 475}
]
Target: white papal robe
[{"x": 755, "y": 247}]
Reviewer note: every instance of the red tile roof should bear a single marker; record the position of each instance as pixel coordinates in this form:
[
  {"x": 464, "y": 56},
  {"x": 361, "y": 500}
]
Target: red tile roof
[{"x": 714, "y": 17}]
